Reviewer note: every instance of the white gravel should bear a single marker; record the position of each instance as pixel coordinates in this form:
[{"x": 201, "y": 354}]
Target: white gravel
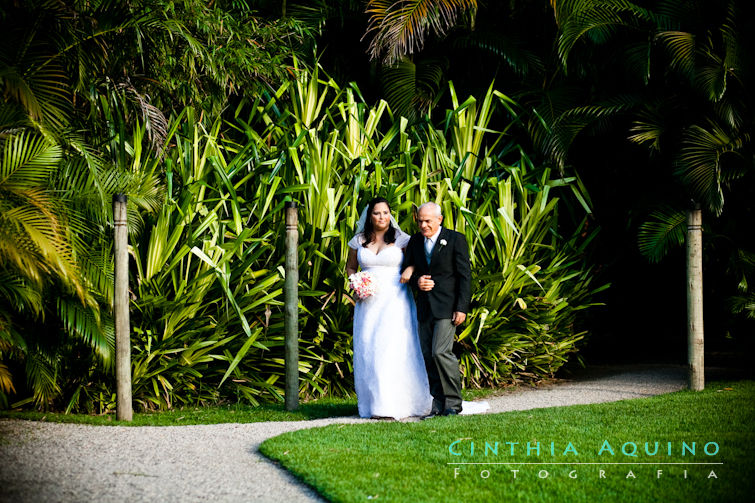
[{"x": 54, "y": 462}]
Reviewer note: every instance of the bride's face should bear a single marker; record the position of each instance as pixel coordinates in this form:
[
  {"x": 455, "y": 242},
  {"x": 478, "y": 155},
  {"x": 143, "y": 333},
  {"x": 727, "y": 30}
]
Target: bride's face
[{"x": 381, "y": 217}]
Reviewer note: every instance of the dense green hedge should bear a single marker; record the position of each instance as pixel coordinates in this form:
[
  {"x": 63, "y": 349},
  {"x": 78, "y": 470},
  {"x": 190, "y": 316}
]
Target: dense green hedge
[{"x": 207, "y": 276}]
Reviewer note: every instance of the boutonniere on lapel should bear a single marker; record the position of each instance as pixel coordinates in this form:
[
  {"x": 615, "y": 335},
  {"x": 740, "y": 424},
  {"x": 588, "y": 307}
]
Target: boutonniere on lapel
[{"x": 442, "y": 243}]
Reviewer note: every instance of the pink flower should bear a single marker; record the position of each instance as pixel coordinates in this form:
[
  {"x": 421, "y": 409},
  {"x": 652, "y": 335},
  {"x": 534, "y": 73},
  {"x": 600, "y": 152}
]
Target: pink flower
[{"x": 363, "y": 284}]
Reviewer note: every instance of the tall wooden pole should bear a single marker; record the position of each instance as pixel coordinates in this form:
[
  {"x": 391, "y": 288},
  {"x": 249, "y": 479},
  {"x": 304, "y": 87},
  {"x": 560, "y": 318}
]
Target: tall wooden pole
[
  {"x": 291, "y": 297},
  {"x": 123, "y": 406},
  {"x": 695, "y": 333}
]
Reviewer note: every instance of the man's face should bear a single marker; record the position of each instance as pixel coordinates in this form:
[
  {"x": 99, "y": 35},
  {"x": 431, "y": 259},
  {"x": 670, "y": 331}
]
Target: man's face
[{"x": 428, "y": 221}]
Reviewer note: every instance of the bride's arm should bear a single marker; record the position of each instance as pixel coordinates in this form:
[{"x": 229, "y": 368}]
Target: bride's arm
[
  {"x": 406, "y": 276},
  {"x": 352, "y": 264},
  {"x": 407, "y": 273}
]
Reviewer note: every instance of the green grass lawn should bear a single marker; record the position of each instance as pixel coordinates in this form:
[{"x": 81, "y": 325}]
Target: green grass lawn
[
  {"x": 414, "y": 461},
  {"x": 238, "y": 413}
]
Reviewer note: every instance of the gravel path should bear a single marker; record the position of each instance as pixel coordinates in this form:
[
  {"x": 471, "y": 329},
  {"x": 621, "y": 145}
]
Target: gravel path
[{"x": 54, "y": 462}]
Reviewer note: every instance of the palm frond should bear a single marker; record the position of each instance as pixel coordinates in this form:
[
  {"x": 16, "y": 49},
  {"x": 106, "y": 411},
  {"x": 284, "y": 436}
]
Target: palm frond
[
  {"x": 28, "y": 160},
  {"x": 743, "y": 304},
  {"x": 155, "y": 121},
  {"x": 595, "y": 19},
  {"x": 712, "y": 76},
  {"x": 34, "y": 77},
  {"x": 6, "y": 380},
  {"x": 41, "y": 375},
  {"x": 12, "y": 119},
  {"x": 564, "y": 128},
  {"x": 399, "y": 27},
  {"x": 672, "y": 14},
  {"x": 33, "y": 229},
  {"x": 649, "y": 127},
  {"x": 19, "y": 294},
  {"x": 680, "y": 47},
  {"x": 638, "y": 59},
  {"x": 410, "y": 89},
  {"x": 700, "y": 162},
  {"x": 730, "y": 113},
  {"x": 89, "y": 325},
  {"x": 519, "y": 59},
  {"x": 664, "y": 229},
  {"x": 35, "y": 236},
  {"x": 317, "y": 13},
  {"x": 735, "y": 53}
]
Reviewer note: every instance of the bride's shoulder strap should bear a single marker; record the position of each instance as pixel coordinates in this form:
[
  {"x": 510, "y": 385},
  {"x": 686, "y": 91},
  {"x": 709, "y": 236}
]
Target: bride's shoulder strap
[{"x": 356, "y": 241}]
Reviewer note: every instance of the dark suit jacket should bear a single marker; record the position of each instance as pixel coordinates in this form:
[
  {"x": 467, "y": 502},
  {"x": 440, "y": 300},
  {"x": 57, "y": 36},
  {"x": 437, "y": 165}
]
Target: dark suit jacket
[{"x": 449, "y": 268}]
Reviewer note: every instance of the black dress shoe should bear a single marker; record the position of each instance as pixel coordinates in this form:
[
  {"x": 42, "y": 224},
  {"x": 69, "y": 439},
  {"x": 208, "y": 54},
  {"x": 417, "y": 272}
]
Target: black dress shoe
[
  {"x": 450, "y": 412},
  {"x": 433, "y": 413}
]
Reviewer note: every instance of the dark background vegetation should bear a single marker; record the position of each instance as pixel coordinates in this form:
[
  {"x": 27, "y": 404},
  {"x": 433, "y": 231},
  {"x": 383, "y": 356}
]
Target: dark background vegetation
[{"x": 110, "y": 65}]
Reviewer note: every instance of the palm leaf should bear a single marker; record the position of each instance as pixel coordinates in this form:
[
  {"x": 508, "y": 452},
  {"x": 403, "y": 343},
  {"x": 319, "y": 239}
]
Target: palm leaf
[
  {"x": 28, "y": 160},
  {"x": 34, "y": 232},
  {"x": 518, "y": 58},
  {"x": 6, "y": 380},
  {"x": 12, "y": 119},
  {"x": 712, "y": 76},
  {"x": 595, "y": 19},
  {"x": 700, "y": 162},
  {"x": 649, "y": 127},
  {"x": 557, "y": 133},
  {"x": 743, "y": 304},
  {"x": 410, "y": 89},
  {"x": 36, "y": 80},
  {"x": 680, "y": 46},
  {"x": 317, "y": 13},
  {"x": 732, "y": 36},
  {"x": 89, "y": 325},
  {"x": 155, "y": 121},
  {"x": 41, "y": 375},
  {"x": 664, "y": 229},
  {"x": 638, "y": 59},
  {"x": 399, "y": 27},
  {"x": 22, "y": 296}
]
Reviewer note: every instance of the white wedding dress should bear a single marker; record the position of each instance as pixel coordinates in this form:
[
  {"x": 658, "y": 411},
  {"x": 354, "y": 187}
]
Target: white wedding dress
[{"x": 389, "y": 372}]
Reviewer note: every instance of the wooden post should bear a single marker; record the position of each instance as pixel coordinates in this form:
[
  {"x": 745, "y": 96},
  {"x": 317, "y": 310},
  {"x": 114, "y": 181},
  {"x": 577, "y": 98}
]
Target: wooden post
[
  {"x": 123, "y": 406},
  {"x": 291, "y": 296},
  {"x": 695, "y": 333}
]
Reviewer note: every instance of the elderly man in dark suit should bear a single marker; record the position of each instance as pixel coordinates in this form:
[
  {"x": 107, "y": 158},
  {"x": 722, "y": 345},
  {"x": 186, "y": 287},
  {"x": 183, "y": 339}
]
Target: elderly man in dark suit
[{"x": 441, "y": 277}]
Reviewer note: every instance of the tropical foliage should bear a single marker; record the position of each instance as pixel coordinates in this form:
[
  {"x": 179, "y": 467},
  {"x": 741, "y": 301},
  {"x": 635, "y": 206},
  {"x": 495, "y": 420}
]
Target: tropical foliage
[
  {"x": 400, "y": 28},
  {"x": 687, "y": 94},
  {"x": 206, "y": 116},
  {"x": 77, "y": 125},
  {"x": 331, "y": 154},
  {"x": 207, "y": 275},
  {"x": 697, "y": 120}
]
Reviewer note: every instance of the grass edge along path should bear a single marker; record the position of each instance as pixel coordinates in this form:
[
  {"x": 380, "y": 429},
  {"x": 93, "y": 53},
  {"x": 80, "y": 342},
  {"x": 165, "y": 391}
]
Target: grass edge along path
[
  {"x": 411, "y": 461},
  {"x": 235, "y": 413},
  {"x": 217, "y": 414}
]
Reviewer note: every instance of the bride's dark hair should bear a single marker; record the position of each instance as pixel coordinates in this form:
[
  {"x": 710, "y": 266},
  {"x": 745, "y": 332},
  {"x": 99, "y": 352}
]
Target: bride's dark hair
[{"x": 369, "y": 231}]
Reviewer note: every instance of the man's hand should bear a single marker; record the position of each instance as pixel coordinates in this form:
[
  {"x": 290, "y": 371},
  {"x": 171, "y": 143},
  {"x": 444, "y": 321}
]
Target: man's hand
[
  {"x": 458, "y": 318},
  {"x": 425, "y": 284}
]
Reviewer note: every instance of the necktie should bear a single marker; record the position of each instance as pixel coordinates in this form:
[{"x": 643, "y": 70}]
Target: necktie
[{"x": 428, "y": 249}]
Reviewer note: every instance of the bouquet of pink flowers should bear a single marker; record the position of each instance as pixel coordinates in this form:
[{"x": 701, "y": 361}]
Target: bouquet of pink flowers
[{"x": 363, "y": 283}]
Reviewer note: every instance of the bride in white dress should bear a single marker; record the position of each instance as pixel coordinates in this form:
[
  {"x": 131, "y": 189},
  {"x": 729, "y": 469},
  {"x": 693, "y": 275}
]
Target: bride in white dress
[{"x": 389, "y": 372}]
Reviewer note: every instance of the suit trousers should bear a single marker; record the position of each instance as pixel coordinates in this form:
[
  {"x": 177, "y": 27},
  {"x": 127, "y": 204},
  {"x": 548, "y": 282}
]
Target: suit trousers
[{"x": 436, "y": 338}]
